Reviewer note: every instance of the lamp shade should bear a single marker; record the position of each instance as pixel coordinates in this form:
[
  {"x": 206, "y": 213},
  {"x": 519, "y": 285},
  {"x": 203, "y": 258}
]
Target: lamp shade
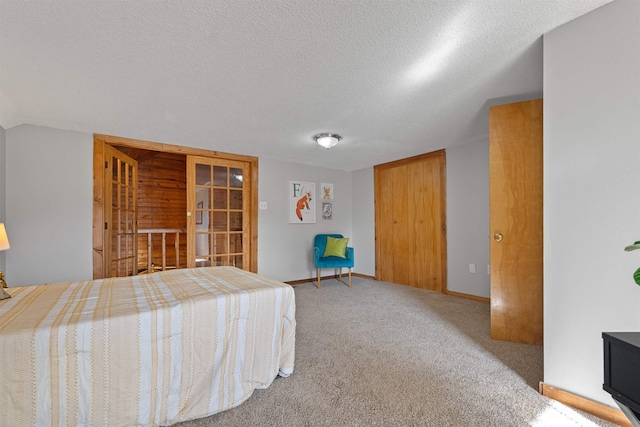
[
  {"x": 327, "y": 140},
  {"x": 4, "y": 240}
]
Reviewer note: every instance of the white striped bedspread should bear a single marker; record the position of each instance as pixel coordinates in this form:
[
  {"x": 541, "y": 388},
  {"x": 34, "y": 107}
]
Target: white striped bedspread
[{"x": 146, "y": 350}]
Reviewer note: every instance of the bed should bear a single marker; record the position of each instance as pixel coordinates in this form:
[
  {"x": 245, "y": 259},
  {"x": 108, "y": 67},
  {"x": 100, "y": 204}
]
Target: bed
[{"x": 146, "y": 350}]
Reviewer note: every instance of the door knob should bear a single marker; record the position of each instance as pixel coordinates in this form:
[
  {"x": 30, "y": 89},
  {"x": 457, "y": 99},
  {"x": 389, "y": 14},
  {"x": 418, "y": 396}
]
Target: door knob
[{"x": 497, "y": 237}]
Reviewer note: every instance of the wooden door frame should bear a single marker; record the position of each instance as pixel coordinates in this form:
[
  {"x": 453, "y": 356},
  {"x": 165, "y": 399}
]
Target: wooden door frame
[
  {"x": 377, "y": 201},
  {"x": 99, "y": 143}
]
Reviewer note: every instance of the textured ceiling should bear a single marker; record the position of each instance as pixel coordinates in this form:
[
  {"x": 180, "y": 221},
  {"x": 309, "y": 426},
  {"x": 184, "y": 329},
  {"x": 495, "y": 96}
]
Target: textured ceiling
[{"x": 395, "y": 78}]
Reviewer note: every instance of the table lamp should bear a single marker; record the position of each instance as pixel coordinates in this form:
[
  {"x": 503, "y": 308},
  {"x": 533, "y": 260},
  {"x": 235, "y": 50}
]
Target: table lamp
[{"x": 4, "y": 245}]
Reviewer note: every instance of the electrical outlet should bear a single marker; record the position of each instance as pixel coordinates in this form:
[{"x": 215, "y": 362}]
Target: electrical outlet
[
  {"x": 263, "y": 205},
  {"x": 472, "y": 268}
]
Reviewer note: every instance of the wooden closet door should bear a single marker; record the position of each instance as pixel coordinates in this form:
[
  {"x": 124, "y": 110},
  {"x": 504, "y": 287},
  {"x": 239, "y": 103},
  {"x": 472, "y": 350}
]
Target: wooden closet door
[
  {"x": 515, "y": 153},
  {"x": 384, "y": 224},
  {"x": 426, "y": 219},
  {"x": 410, "y": 237},
  {"x": 392, "y": 232}
]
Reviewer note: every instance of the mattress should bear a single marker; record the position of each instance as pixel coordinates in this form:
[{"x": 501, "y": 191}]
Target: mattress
[{"x": 146, "y": 350}]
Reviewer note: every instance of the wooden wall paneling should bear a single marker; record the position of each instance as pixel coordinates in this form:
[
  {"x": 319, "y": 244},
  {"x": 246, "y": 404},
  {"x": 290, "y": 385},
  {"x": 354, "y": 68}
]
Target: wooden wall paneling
[
  {"x": 162, "y": 203},
  {"x": 162, "y": 192}
]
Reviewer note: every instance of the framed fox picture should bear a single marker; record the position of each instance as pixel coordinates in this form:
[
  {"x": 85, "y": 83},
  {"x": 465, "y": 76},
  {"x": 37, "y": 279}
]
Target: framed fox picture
[{"x": 302, "y": 202}]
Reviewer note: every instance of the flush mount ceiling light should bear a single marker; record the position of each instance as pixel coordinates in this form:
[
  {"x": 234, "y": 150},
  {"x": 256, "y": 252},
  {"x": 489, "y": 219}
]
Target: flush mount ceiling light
[{"x": 327, "y": 140}]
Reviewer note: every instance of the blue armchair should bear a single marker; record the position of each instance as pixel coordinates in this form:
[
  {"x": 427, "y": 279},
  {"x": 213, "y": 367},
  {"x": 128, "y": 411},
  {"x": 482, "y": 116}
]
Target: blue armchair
[{"x": 321, "y": 261}]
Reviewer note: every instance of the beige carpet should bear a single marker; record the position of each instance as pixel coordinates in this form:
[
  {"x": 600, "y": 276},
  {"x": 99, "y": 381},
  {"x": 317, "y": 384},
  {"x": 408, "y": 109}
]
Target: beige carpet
[{"x": 381, "y": 354}]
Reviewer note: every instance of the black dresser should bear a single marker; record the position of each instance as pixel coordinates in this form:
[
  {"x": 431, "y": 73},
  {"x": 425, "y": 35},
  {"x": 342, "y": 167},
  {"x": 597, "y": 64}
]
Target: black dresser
[{"x": 622, "y": 371}]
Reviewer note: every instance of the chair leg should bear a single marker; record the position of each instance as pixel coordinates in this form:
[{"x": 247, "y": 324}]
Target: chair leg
[
  {"x": 318, "y": 274},
  {"x": 349, "y": 276},
  {"x": 340, "y": 275}
]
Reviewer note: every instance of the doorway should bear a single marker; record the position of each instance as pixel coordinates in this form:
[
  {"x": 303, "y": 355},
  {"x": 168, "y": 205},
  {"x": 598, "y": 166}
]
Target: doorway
[{"x": 166, "y": 212}]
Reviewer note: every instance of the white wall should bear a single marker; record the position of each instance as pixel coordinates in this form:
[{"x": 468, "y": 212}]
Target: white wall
[
  {"x": 364, "y": 221},
  {"x": 285, "y": 251},
  {"x": 468, "y": 218},
  {"x": 592, "y": 193},
  {"x": 3, "y": 190},
  {"x": 49, "y": 205}
]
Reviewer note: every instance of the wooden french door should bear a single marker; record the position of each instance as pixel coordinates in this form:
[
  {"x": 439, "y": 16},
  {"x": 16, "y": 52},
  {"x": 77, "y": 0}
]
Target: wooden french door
[
  {"x": 115, "y": 205},
  {"x": 410, "y": 221},
  {"x": 515, "y": 157},
  {"x": 218, "y": 214},
  {"x": 121, "y": 215}
]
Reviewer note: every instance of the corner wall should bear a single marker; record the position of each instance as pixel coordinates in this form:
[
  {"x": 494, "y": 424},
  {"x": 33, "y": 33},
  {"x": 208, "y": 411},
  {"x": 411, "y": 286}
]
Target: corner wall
[
  {"x": 364, "y": 230},
  {"x": 592, "y": 197},
  {"x": 285, "y": 250},
  {"x": 49, "y": 205}
]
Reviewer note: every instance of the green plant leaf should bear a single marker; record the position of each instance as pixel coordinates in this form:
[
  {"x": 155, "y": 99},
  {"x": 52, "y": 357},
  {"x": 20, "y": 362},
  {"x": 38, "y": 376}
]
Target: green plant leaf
[
  {"x": 636, "y": 276},
  {"x": 636, "y": 245}
]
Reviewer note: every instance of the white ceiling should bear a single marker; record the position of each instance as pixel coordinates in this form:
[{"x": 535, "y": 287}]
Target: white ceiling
[{"x": 395, "y": 78}]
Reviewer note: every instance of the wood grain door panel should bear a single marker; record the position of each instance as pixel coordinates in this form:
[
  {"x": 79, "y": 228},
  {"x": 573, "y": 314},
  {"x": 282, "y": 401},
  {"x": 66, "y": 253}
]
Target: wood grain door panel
[
  {"x": 410, "y": 213},
  {"x": 401, "y": 253},
  {"x": 429, "y": 222},
  {"x": 419, "y": 217},
  {"x": 515, "y": 151},
  {"x": 384, "y": 223}
]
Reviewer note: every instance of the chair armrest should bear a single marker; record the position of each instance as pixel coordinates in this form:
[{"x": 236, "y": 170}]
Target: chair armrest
[
  {"x": 316, "y": 253},
  {"x": 349, "y": 253}
]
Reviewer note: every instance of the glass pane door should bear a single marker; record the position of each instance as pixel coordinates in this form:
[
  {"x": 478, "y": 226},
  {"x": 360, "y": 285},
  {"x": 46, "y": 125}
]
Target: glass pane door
[
  {"x": 121, "y": 221},
  {"x": 217, "y": 202}
]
